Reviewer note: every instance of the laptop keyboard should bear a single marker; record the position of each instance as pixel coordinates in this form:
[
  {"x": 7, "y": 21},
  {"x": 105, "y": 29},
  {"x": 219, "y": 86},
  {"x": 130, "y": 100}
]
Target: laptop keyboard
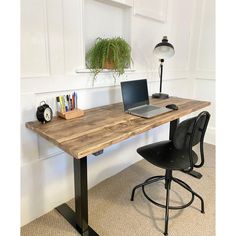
[{"x": 145, "y": 109}]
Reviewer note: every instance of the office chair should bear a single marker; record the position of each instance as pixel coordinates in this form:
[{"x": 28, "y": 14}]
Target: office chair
[{"x": 176, "y": 155}]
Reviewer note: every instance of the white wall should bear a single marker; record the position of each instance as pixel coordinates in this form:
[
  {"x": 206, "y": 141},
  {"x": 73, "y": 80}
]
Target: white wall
[
  {"x": 55, "y": 35},
  {"x": 203, "y": 59}
]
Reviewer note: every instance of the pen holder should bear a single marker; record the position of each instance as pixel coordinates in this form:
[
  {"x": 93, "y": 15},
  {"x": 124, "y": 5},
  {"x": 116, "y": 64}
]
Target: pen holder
[{"x": 71, "y": 114}]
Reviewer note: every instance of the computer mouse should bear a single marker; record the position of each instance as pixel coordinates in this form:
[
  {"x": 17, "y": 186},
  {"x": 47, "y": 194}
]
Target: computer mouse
[{"x": 172, "y": 106}]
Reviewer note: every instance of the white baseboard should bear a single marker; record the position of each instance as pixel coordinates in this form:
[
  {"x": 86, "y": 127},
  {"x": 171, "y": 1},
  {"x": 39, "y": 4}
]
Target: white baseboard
[{"x": 210, "y": 135}]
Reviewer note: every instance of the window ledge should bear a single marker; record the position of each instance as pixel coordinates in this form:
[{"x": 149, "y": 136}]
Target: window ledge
[{"x": 103, "y": 71}]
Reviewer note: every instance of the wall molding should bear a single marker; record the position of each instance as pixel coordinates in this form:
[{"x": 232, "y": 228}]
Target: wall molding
[
  {"x": 47, "y": 37},
  {"x": 205, "y": 74},
  {"x": 46, "y": 45},
  {"x": 40, "y": 76},
  {"x": 40, "y": 85},
  {"x": 119, "y": 3},
  {"x": 153, "y": 13},
  {"x": 43, "y": 158},
  {"x": 82, "y": 27},
  {"x": 78, "y": 71},
  {"x": 204, "y": 78}
]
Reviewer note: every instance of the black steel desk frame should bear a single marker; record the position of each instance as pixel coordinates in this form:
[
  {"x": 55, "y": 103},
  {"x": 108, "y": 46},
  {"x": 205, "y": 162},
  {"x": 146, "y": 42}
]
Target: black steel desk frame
[{"x": 79, "y": 218}]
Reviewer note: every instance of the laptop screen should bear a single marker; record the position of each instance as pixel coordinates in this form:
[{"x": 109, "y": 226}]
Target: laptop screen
[{"x": 134, "y": 93}]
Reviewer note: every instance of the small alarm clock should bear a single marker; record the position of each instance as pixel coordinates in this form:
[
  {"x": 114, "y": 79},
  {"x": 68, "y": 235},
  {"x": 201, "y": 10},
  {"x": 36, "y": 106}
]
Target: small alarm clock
[{"x": 44, "y": 112}]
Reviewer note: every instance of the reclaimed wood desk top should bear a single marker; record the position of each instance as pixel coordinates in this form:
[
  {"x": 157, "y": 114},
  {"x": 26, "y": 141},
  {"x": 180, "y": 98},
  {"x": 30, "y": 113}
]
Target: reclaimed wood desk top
[{"x": 103, "y": 126}]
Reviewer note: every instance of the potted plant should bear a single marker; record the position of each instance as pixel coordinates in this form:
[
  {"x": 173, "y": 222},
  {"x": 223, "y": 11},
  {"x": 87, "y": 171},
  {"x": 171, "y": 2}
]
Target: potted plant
[{"x": 109, "y": 53}]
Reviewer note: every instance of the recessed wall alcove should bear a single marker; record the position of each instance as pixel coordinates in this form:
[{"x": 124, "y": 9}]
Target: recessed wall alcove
[{"x": 105, "y": 19}]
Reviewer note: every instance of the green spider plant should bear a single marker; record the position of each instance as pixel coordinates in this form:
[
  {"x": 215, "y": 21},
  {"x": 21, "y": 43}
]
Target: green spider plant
[{"x": 109, "y": 53}]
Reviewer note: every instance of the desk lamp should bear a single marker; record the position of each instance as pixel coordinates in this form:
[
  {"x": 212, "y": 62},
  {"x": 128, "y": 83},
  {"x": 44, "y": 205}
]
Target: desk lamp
[{"x": 163, "y": 51}]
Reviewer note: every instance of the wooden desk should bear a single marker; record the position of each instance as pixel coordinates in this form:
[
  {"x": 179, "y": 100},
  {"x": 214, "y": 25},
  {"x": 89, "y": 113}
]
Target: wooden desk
[{"x": 99, "y": 128}]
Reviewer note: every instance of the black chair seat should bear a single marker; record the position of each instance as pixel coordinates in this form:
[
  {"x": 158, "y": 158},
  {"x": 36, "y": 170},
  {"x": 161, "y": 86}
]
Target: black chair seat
[
  {"x": 165, "y": 155},
  {"x": 176, "y": 154}
]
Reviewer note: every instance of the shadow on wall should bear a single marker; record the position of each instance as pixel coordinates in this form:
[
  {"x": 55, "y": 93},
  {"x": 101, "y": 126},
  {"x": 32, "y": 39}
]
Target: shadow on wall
[{"x": 120, "y": 156}]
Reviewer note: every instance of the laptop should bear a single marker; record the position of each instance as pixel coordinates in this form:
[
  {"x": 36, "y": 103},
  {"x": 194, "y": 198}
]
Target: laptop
[{"x": 136, "y": 100}]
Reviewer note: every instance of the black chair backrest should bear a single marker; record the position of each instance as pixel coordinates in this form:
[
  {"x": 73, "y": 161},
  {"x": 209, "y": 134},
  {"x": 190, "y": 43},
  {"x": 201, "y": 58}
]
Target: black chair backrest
[{"x": 191, "y": 131}]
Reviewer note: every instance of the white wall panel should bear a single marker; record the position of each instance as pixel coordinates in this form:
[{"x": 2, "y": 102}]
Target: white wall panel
[
  {"x": 102, "y": 20},
  {"x": 181, "y": 17},
  {"x": 205, "y": 62},
  {"x": 146, "y": 34},
  {"x": 34, "y": 38},
  {"x": 155, "y": 9},
  {"x": 206, "y": 48},
  {"x": 55, "y": 36},
  {"x": 205, "y": 90},
  {"x": 73, "y": 35}
]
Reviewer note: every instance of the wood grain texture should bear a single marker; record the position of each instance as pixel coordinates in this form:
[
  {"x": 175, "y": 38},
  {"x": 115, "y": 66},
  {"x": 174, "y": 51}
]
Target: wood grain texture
[
  {"x": 71, "y": 114},
  {"x": 103, "y": 126}
]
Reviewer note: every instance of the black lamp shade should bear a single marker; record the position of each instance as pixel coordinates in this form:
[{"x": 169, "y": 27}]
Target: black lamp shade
[{"x": 164, "y": 49}]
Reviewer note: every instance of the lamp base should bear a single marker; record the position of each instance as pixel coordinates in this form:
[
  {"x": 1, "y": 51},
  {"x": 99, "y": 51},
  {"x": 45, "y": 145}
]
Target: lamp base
[{"x": 160, "y": 95}]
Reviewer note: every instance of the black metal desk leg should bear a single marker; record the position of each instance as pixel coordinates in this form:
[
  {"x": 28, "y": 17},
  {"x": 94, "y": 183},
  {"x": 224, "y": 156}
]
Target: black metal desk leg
[
  {"x": 81, "y": 193},
  {"x": 173, "y": 126},
  {"x": 79, "y": 218}
]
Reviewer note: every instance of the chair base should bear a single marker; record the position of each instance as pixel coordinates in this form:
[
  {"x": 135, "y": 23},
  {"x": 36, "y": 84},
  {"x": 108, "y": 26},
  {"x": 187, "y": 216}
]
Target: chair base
[{"x": 168, "y": 178}]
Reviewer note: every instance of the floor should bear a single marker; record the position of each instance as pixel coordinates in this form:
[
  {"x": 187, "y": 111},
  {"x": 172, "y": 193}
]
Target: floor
[{"x": 111, "y": 213}]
